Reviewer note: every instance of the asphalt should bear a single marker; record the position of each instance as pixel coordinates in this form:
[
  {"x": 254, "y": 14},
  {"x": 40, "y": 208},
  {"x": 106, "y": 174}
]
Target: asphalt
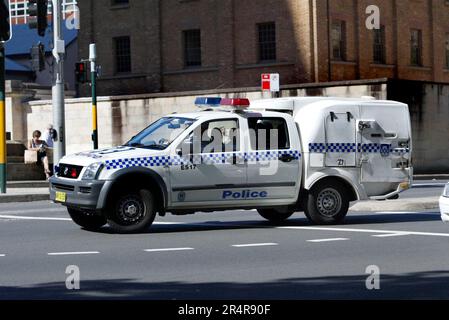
[{"x": 206, "y": 256}]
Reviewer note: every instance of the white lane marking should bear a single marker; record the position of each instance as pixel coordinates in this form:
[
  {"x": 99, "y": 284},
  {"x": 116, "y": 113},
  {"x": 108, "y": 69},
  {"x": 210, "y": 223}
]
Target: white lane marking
[
  {"x": 368, "y": 231},
  {"x": 254, "y": 245},
  {"x": 33, "y": 218},
  {"x": 2, "y": 255},
  {"x": 72, "y": 253},
  {"x": 386, "y": 235},
  {"x": 401, "y": 212},
  {"x": 62, "y": 210},
  {"x": 328, "y": 240},
  {"x": 168, "y": 249}
]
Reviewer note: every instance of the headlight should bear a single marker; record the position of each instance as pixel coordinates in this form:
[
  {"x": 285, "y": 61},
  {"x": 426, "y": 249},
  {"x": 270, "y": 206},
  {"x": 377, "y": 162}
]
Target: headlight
[
  {"x": 446, "y": 191},
  {"x": 92, "y": 171}
]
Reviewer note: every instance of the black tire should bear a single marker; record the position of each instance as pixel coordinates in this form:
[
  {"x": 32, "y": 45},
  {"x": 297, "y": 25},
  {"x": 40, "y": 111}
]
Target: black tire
[
  {"x": 87, "y": 221},
  {"x": 132, "y": 211},
  {"x": 327, "y": 203},
  {"x": 275, "y": 215}
]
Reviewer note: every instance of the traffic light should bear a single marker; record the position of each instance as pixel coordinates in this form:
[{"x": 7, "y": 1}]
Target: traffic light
[
  {"x": 5, "y": 27},
  {"x": 37, "y": 10},
  {"x": 81, "y": 72},
  {"x": 38, "y": 57}
]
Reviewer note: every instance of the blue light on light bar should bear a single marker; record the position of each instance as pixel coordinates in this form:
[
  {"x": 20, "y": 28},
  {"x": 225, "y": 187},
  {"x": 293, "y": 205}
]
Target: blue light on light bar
[{"x": 208, "y": 101}]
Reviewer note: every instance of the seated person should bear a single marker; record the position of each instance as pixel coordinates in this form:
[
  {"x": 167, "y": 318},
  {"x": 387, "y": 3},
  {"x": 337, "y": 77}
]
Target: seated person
[{"x": 35, "y": 144}]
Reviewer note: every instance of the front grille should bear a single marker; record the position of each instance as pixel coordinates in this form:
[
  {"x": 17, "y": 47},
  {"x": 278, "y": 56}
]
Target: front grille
[
  {"x": 64, "y": 187},
  {"x": 69, "y": 171}
]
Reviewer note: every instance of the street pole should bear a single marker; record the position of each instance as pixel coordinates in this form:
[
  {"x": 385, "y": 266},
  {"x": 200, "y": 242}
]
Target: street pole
[
  {"x": 2, "y": 120},
  {"x": 58, "y": 86},
  {"x": 93, "y": 78}
]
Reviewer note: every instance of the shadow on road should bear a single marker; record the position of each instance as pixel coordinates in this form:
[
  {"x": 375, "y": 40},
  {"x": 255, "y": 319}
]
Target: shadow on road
[
  {"x": 420, "y": 285},
  {"x": 361, "y": 220}
]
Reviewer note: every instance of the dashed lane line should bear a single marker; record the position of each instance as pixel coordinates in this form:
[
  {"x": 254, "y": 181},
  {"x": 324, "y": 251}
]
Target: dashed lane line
[
  {"x": 168, "y": 249},
  {"x": 328, "y": 240},
  {"x": 254, "y": 245},
  {"x": 72, "y": 253},
  {"x": 12, "y": 217}
]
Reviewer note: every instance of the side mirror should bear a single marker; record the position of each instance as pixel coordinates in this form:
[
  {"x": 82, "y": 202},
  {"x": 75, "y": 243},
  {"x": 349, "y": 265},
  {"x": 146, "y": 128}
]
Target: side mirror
[{"x": 185, "y": 148}]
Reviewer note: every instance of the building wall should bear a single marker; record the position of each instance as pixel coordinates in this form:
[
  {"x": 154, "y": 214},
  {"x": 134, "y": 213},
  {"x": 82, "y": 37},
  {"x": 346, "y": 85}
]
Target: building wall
[{"x": 229, "y": 41}]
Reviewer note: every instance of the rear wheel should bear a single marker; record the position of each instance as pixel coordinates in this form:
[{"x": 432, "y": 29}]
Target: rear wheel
[
  {"x": 86, "y": 220},
  {"x": 276, "y": 215},
  {"x": 327, "y": 203},
  {"x": 132, "y": 211}
]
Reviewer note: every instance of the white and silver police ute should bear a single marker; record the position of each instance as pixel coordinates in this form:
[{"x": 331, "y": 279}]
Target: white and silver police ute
[{"x": 278, "y": 156}]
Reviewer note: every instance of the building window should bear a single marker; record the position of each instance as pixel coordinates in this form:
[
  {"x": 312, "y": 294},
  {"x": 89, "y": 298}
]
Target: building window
[
  {"x": 19, "y": 12},
  {"x": 338, "y": 35},
  {"x": 122, "y": 46},
  {"x": 379, "y": 54},
  {"x": 416, "y": 47},
  {"x": 119, "y": 2},
  {"x": 447, "y": 50},
  {"x": 267, "y": 41},
  {"x": 192, "y": 48}
]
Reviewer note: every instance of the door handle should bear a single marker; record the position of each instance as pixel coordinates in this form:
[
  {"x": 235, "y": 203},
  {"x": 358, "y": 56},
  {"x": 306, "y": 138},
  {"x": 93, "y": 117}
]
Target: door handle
[{"x": 286, "y": 158}]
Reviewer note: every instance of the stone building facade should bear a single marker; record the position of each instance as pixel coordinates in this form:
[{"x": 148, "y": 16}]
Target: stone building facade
[{"x": 149, "y": 46}]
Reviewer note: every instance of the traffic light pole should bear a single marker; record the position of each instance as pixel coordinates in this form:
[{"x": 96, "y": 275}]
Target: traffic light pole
[
  {"x": 93, "y": 72},
  {"x": 58, "y": 87},
  {"x": 2, "y": 120}
]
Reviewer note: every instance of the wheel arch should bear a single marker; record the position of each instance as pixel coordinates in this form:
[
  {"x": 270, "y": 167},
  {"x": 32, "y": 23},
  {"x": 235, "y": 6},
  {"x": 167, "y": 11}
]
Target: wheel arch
[
  {"x": 354, "y": 192},
  {"x": 135, "y": 176}
]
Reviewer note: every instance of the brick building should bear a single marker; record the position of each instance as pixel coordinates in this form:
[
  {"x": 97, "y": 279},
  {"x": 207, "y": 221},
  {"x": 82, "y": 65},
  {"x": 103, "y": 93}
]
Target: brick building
[{"x": 179, "y": 45}]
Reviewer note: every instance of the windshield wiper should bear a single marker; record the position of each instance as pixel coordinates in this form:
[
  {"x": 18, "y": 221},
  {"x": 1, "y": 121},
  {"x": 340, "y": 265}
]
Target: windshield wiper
[{"x": 146, "y": 146}]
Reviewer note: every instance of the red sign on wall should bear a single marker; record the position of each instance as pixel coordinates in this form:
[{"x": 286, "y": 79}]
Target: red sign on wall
[{"x": 270, "y": 82}]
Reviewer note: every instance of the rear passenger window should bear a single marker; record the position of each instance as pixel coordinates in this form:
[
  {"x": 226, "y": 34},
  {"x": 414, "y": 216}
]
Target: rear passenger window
[{"x": 268, "y": 134}]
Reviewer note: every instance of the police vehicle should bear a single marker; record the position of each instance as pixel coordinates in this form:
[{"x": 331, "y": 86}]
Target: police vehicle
[{"x": 278, "y": 156}]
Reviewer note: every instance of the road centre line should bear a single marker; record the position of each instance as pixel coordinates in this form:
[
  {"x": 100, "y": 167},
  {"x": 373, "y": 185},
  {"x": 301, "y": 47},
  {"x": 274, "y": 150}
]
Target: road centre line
[
  {"x": 416, "y": 233},
  {"x": 328, "y": 240},
  {"x": 168, "y": 249},
  {"x": 254, "y": 245},
  {"x": 72, "y": 253},
  {"x": 2, "y": 255}
]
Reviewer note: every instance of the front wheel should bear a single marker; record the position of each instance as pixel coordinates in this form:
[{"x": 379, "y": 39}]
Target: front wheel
[
  {"x": 132, "y": 211},
  {"x": 327, "y": 203},
  {"x": 86, "y": 221},
  {"x": 275, "y": 215}
]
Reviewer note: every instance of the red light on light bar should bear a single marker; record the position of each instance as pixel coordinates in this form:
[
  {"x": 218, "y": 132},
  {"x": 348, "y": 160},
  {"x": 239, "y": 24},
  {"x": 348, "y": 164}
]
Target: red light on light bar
[{"x": 235, "y": 102}]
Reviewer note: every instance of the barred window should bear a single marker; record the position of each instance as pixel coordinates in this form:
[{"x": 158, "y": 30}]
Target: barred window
[
  {"x": 379, "y": 54},
  {"x": 192, "y": 48},
  {"x": 267, "y": 41},
  {"x": 416, "y": 47},
  {"x": 122, "y": 47},
  {"x": 338, "y": 39}
]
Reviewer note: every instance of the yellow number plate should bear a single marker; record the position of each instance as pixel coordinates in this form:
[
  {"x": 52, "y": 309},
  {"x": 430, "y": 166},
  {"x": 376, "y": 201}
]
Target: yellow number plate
[{"x": 61, "y": 196}]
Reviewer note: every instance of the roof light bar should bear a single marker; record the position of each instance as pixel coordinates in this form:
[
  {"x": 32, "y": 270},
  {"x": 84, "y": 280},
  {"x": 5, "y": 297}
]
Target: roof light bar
[
  {"x": 207, "y": 102},
  {"x": 235, "y": 102}
]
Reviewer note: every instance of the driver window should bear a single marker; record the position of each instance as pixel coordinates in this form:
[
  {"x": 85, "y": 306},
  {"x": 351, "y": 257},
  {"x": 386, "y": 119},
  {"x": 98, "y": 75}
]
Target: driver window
[{"x": 218, "y": 136}]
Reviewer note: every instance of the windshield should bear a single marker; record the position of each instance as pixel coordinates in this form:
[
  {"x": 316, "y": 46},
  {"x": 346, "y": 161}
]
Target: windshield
[{"x": 161, "y": 133}]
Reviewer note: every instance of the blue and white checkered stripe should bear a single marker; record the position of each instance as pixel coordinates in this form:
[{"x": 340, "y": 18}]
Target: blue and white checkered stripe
[
  {"x": 217, "y": 158},
  {"x": 352, "y": 147},
  {"x": 137, "y": 162}
]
